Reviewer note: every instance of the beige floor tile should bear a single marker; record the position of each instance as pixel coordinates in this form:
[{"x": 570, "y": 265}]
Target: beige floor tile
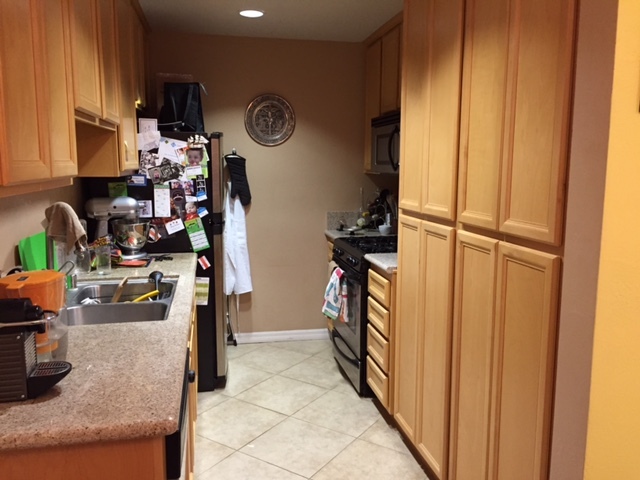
[
  {"x": 243, "y": 467},
  {"x": 383, "y": 434},
  {"x": 270, "y": 359},
  {"x": 341, "y": 412},
  {"x": 365, "y": 461},
  {"x": 308, "y": 347},
  {"x": 208, "y": 453},
  {"x": 241, "y": 378},
  {"x": 298, "y": 446},
  {"x": 316, "y": 370},
  {"x": 283, "y": 395},
  {"x": 235, "y": 423},
  {"x": 241, "y": 349},
  {"x": 327, "y": 354},
  {"x": 346, "y": 388},
  {"x": 207, "y": 400}
]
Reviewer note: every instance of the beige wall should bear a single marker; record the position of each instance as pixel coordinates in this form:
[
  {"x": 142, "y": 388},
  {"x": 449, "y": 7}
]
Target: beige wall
[
  {"x": 23, "y": 215},
  {"x": 614, "y": 423},
  {"x": 585, "y": 193},
  {"x": 293, "y": 185}
]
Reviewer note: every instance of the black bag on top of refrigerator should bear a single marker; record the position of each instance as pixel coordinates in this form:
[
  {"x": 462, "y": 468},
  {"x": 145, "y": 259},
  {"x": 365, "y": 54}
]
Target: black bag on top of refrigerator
[{"x": 182, "y": 109}]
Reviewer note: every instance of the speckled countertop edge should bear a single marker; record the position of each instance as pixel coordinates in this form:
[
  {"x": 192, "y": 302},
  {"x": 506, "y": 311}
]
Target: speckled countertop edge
[
  {"x": 331, "y": 235},
  {"x": 386, "y": 261},
  {"x": 126, "y": 380}
]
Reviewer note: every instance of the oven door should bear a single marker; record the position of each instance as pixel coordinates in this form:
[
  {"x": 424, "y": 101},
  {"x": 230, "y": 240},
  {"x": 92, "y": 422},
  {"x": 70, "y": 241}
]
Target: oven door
[{"x": 351, "y": 330}]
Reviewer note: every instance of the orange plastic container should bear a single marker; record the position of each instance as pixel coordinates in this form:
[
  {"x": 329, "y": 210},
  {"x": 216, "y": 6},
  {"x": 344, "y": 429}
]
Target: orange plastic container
[{"x": 45, "y": 288}]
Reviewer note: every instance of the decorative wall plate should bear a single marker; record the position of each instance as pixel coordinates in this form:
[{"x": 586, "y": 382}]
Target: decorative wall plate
[{"x": 269, "y": 120}]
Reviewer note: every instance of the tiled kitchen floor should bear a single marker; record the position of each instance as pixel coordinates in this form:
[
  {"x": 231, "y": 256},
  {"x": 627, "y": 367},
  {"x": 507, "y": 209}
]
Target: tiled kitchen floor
[{"x": 287, "y": 413}]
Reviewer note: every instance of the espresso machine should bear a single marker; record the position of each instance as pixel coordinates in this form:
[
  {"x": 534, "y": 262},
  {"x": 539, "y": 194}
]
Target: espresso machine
[{"x": 21, "y": 376}]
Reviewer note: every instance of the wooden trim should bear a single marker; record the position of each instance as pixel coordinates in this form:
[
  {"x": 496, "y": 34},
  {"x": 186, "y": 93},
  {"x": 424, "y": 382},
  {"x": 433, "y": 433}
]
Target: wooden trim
[{"x": 386, "y": 27}]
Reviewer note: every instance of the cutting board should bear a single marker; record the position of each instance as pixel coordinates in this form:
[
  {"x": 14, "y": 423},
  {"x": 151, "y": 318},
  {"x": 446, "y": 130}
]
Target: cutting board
[{"x": 33, "y": 252}]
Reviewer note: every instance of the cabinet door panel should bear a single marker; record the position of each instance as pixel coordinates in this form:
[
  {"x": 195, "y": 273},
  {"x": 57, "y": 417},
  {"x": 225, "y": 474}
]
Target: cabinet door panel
[
  {"x": 86, "y": 57},
  {"x": 436, "y": 289},
  {"x": 526, "y": 312},
  {"x": 389, "y": 75},
  {"x": 483, "y": 105},
  {"x": 539, "y": 89},
  {"x": 62, "y": 130},
  {"x": 109, "y": 58},
  {"x": 128, "y": 129},
  {"x": 445, "y": 70},
  {"x": 414, "y": 125},
  {"x": 473, "y": 330},
  {"x": 407, "y": 324}
]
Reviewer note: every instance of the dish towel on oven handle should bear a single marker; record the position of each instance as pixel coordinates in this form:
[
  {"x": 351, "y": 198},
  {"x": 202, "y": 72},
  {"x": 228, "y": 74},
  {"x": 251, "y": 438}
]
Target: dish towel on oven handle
[{"x": 335, "y": 300}]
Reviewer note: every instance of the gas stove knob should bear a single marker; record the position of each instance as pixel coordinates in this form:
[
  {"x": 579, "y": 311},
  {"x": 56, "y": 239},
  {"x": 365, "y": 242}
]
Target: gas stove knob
[
  {"x": 352, "y": 261},
  {"x": 338, "y": 251}
]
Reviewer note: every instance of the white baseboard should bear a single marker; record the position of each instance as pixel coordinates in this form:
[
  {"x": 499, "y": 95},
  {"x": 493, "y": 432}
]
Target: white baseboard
[{"x": 283, "y": 336}]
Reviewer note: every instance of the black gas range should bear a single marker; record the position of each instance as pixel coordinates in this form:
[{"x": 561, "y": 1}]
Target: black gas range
[
  {"x": 349, "y": 335},
  {"x": 351, "y": 250}
]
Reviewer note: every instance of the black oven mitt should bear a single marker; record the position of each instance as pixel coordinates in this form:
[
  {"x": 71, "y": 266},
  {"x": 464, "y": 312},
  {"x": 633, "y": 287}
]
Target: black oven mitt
[{"x": 239, "y": 182}]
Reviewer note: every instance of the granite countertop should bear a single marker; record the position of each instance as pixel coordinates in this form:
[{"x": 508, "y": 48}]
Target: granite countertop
[
  {"x": 126, "y": 380},
  {"x": 333, "y": 234},
  {"x": 385, "y": 261}
]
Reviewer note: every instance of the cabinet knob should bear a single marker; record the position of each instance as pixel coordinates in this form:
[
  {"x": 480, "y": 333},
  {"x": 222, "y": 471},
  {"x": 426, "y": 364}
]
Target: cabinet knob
[{"x": 191, "y": 376}]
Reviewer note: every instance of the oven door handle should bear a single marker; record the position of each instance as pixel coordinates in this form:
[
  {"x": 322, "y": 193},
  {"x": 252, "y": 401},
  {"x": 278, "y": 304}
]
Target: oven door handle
[
  {"x": 334, "y": 335},
  {"x": 395, "y": 163}
]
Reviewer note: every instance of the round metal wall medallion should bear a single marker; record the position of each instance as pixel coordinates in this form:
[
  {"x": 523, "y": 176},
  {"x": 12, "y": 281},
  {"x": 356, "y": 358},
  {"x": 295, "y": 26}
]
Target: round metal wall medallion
[{"x": 269, "y": 120}]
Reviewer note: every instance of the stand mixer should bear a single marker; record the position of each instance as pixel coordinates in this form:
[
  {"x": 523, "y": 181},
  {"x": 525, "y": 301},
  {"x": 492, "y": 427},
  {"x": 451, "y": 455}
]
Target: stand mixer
[{"x": 129, "y": 233}]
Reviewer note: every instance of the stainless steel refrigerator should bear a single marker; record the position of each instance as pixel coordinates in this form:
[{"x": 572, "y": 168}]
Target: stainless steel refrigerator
[{"x": 212, "y": 317}]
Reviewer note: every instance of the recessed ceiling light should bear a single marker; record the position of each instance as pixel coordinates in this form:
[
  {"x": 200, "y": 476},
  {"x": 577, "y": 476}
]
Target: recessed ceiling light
[{"x": 252, "y": 13}]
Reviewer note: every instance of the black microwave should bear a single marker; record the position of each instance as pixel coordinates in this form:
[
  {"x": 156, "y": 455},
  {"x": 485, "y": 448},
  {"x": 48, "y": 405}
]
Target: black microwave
[{"x": 385, "y": 143}]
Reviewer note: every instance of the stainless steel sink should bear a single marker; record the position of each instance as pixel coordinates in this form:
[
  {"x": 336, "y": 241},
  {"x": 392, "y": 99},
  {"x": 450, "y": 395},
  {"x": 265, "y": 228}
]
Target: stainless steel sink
[
  {"x": 114, "y": 313},
  {"x": 102, "y": 292},
  {"x": 100, "y": 311}
]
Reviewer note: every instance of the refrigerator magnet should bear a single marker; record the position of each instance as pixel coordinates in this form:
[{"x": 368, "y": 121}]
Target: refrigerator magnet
[
  {"x": 162, "y": 201},
  {"x": 197, "y": 235},
  {"x": 174, "y": 226},
  {"x": 117, "y": 189},
  {"x": 201, "y": 188},
  {"x": 204, "y": 262},
  {"x": 146, "y": 208},
  {"x": 202, "y": 290},
  {"x": 137, "y": 180},
  {"x": 202, "y": 212}
]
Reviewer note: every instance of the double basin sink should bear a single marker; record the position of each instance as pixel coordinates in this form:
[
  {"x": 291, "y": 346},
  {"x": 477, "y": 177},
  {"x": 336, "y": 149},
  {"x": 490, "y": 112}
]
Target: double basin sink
[{"x": 90, "y": 303}]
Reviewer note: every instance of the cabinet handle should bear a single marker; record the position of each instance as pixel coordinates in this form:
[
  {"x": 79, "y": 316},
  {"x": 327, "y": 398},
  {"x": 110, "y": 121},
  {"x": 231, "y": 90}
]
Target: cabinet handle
[{"x": 191, "y": 376}]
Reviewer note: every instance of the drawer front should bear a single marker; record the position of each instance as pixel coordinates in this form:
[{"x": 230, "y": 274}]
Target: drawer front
[
  {"x": 378, "y": 348},
  {"x": 378, "y": 382},
  {"x": 380, "y": 288},
  {"x": 379, "y": 317}
]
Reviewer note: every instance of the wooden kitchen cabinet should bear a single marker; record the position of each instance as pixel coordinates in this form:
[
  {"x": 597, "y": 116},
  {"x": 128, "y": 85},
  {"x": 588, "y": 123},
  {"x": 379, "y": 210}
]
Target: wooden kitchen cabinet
[
  {"x": 382, "y": 76},
  {"x": 517, "y": 88},
  {"x": 189, "y": 463},
  {"x": 432, "y": 70},
  {"x": 380, "y": 335},
  {"x": 425, "y": 313},
  {"x": 139, "y": 61},
  {"x": 503, "y": 359},
  {"x": 37, "y": 131},
  {"x": 112, "y": 151},
  {"x": 95, "y": 61}
]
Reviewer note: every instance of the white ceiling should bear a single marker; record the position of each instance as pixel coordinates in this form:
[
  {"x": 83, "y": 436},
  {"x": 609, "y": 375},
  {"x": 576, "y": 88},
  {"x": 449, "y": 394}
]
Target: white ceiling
[{"x": 330, "y": 20}]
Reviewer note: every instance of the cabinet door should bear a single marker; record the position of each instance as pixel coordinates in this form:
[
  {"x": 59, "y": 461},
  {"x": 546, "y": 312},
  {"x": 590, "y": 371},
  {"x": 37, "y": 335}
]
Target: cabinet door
[
  {"x": 86, "y": 57},
  {"x": 23, "y": 138},
  {"x": 472, "y": 356},
  {"x": 437, "y": 251},
  {"x": 539, "y": 96},
  {"x": 414, "y": 124},
  {"x": 407, "y": 325},
  {"x": 526, "y": 312},
  {"x": 127, "y": 133},
  {"x": 390, "y": 71},
  {"x": 483, "y": 105},
  {"x": 61, "y": 125},
  {"x": 439, "y": 172},
  {"x": 109, "y": 58},
  {"x": 140, "y": 63},
  {"x": 372, "y": 95}
]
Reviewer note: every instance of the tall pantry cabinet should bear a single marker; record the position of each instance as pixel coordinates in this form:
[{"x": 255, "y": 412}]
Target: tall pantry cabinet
[{"x": 483, "y": 152}]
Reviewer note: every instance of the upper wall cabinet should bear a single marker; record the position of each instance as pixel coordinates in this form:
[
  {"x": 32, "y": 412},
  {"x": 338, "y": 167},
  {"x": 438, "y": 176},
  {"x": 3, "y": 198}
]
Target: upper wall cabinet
[
  {"x": 432, "y": 69},
  {"x": 382, "y": 77},
  {"x": 95, "y": 60},
  {"x": 37, "y": 131},
  {"x": 515, "y": 115}
]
